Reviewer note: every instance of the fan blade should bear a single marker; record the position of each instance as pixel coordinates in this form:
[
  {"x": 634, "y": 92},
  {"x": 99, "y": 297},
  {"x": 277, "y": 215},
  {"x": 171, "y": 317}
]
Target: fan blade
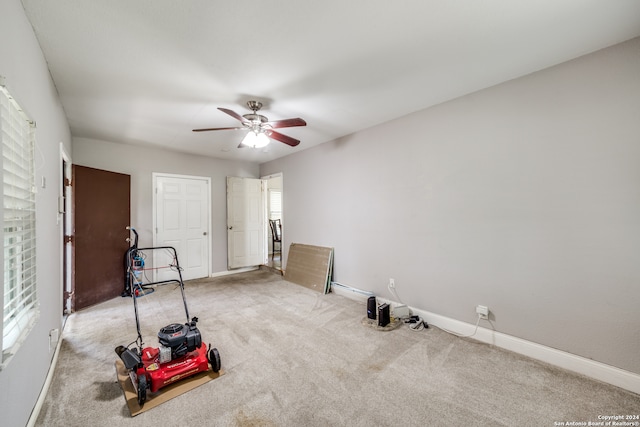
[
  {"x": 208, "y": 129},
  {"x": 287, "y": 123},
  {"x": 282, "y": 138},
  {"x": 233, "y": 114}
]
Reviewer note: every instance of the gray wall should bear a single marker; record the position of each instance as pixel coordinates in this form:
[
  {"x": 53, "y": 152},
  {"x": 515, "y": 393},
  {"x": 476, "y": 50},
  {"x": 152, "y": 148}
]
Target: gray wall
[
  {"x": 524, "y": 197},
  {"x": 27, "y": 77},
  {"x": 141, "y": 162}
]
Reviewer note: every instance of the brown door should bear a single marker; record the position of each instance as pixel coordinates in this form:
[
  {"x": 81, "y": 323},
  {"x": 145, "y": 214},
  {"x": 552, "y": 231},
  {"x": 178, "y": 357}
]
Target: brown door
[{"x": 101, "y": 215}]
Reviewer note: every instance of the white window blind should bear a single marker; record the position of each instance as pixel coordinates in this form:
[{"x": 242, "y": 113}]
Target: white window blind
[
  {"x": 20, "y": 304},
  {"x": 275, "y": 204}
]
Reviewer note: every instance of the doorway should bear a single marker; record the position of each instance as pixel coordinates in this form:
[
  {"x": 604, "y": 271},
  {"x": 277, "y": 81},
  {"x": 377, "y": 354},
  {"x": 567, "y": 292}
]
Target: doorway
[
  {"x": 251, "y": 203},
  {"x": 274, "y": 212},
  {"x": 65, "y": 218}
]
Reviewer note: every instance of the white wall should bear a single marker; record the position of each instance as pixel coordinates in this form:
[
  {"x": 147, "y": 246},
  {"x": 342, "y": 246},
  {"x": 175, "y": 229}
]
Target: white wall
[
  {"x": 524, "y": 197},
  {"x": 141, "y": 162},
  {"x": 27, "y": 78}
]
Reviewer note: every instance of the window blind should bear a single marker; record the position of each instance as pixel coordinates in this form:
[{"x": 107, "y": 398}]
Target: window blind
[
  {"x": 275, "y": 204},
  {"x": 19, "y": 225}
]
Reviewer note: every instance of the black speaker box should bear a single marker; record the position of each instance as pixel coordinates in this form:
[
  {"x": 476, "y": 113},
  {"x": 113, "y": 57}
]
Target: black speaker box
[
  {"x": 383, "y": 315},
  {"x": 371, "y": 308}
]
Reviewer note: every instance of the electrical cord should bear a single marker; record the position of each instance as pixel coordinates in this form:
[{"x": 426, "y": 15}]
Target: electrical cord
[
  {"x": 462, "y": 336},
  {"x": 418, "y": 325},
  {"x": 415, "y": 323},
  {"x": 173, "y": 265},
  {"x": 392, "y": 291}
]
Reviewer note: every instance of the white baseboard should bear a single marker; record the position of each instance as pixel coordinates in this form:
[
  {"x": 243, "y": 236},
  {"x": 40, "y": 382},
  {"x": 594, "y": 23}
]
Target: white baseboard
[
  {"x": 47, "y": 382},
  {"x": 349, "y": 292},
  {"x": 562, "y": 359},
  {"x": 571, "y": 362},
  {"x": 236, "y": 271}
]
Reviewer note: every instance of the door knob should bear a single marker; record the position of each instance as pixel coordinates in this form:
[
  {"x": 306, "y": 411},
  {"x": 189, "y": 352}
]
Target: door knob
[
  {"x": 231, "y": 228},
  {"x": 204, "y": 234}
]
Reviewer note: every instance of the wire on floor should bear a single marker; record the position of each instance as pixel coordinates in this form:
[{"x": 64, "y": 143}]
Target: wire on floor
[
  {"x": 462, "y": 336},
  {"x": 416, "y": 323}
]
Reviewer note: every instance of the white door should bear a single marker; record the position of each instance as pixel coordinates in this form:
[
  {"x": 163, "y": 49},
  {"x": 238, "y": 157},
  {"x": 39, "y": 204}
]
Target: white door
[
  {"x": 246, "y": 218},
  {"x": 182, "y": 221}
]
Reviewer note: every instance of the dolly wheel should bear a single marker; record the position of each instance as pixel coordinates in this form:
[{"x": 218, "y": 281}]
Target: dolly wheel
[
  {"x": 214, "y": 359},
  {"x": 142, "y": 389}
]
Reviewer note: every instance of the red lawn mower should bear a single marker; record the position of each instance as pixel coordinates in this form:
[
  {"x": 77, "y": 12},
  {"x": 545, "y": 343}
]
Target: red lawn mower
[{"x": 181, "y": 353}]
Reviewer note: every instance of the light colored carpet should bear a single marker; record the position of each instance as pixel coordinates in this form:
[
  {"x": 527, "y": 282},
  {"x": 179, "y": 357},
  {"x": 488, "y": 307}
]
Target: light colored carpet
[{"x": 295, "y": 357}]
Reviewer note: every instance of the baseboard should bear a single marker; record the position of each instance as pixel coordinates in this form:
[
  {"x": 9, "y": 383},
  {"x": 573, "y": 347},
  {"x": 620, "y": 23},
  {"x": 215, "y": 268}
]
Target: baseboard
[
  {"x": 47, "y": 382},
  {"x": 236, "y": 271},
  {"x": 349, "y": 292},
  {"x": 562, "y": 359}
]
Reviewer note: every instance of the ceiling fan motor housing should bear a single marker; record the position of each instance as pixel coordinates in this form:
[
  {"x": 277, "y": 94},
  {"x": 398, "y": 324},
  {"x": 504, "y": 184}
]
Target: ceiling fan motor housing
[
  {"x": 254, "y": 105},
  {"x": 259, "y": 118},
  {"x": 254, "y": 117}
]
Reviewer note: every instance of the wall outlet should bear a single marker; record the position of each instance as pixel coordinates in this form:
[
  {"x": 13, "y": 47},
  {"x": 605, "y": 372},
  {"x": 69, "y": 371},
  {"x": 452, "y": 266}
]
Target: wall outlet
[
  {"x": 482, "y": 311},
  {"x": 54, "y": 335},
  {"x": 392, "y": 283}
]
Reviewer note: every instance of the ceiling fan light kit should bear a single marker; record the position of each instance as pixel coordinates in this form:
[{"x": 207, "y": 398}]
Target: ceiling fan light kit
[
  {"x": 255, "y": 139},
  {"x": 260, "y": 128}
]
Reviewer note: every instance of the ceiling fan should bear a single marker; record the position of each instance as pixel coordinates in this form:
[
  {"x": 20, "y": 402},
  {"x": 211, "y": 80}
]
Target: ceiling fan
[{"x": 260, "y": 128}]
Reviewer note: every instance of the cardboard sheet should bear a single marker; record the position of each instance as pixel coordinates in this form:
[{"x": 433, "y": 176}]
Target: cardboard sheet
[
  {"x": 310, "y": 266},
  {"x": 164, "y": 394}
]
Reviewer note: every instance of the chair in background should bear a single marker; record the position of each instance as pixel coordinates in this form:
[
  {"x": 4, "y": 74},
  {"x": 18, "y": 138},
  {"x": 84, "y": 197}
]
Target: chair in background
[{"x": 276, "y": 235}]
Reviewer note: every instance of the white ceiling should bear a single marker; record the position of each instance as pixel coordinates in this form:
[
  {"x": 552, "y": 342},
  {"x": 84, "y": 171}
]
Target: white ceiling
[{"x": 146, "y": 72}]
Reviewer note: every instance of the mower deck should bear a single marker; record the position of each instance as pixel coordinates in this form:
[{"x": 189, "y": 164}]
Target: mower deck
[{"x": 163, "y": 374}]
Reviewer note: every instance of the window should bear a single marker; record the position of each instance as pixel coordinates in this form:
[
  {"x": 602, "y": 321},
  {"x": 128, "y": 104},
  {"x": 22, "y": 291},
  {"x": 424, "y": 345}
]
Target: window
[
  {"x": 20, "y": 304},
  {"x": 275, "y": 204}
]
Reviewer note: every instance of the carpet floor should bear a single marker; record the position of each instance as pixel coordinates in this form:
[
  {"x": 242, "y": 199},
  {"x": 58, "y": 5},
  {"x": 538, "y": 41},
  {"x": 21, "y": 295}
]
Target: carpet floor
[{"x": 295, "y": 357}]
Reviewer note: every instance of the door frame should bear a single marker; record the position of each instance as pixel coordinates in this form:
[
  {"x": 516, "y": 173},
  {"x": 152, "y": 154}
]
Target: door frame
[
  {"x": 267, "y": 178},
  {"x": 154, "y": 214},
  {"x": 65, "y": 222}
]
